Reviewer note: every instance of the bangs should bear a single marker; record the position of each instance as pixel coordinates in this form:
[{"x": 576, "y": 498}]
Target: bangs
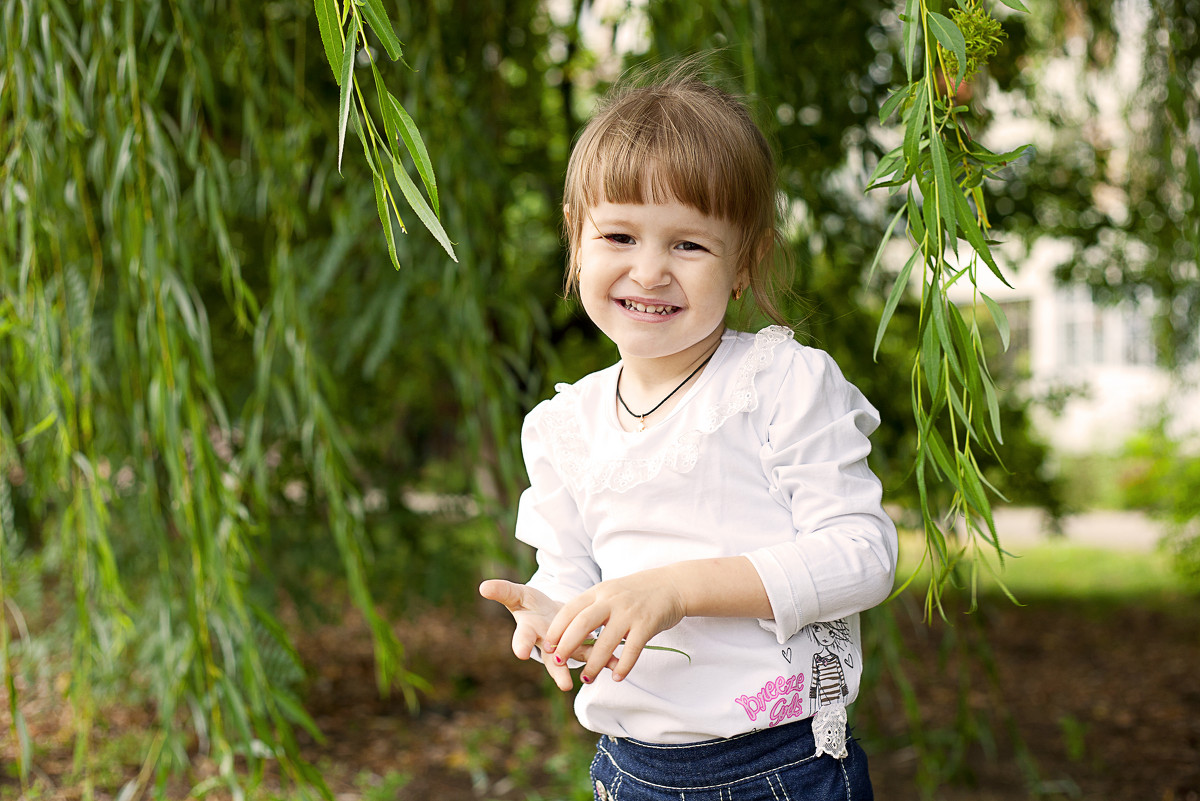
[{"x": 671, "y": 156}]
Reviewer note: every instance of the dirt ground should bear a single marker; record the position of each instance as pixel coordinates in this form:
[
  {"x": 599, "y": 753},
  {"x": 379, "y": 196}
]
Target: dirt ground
[{"x": 1085, "y": 701}]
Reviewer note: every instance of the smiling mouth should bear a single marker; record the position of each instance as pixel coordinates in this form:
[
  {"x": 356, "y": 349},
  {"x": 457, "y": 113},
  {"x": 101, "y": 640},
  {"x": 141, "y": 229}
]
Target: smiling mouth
[{"x": 633, "y": 305}]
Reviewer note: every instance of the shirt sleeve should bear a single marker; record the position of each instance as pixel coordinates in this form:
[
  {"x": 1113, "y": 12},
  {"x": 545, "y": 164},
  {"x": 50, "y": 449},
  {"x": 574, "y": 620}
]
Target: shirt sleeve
[
  {"x": 549, "y": 520},
  {"x": 842, "y": 557}
]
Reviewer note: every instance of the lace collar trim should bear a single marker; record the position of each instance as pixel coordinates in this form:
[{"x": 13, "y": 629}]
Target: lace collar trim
[{"x": 561, "y": 429}]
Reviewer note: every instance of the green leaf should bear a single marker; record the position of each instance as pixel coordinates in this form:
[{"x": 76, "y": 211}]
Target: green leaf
[
  {"x": 999, "y": 318},
  {"x": 938, "y": 302},
  {"x": 391, "y": 128},
  {"x": 592, "y": 641},
  {"x": 889, "y": 165},
  {"x": 916, "y": 225},
  {"x": 974, "y": 235},
  {"x": 1016, "y": 5},
  {"x": 898, "y": 97},
  {"x": 379, "y": 22},
  {"x": 951, "y": 38},
  {"x": 347, "y": 90},
  {"x": 986, "y": 156},
  {"x": 385, "y": 217},
  {"x": 914, "y": 130},
  {"x": 331, "y": 36},
  {"x": 42, "y": 425},
  {"x": 912, "y": 16},
  {"x": 993, "y": 402},
  {"x": 887, "y": 236},
  {"x": 898, "y": 290},
  {"x": 426, "y": 215},
  {"x": 931, "y": 359},
  {"x": 416, "y": 149},
  {"x": 944, "y": 187}
]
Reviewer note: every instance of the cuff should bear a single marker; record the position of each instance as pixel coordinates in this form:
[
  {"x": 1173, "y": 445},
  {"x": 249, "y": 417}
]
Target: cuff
[{"x": 790, "y": 589}]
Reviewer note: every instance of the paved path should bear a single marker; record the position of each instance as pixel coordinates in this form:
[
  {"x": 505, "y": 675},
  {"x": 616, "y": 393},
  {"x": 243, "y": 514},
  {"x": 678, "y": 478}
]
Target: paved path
[{"x": 1121, "y": 531}]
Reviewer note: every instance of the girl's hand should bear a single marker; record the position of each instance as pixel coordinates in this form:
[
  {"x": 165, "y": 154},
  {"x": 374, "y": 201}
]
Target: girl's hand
[
  {"x": 533, "y": 610},
  {"x": 631, "y": 609}
]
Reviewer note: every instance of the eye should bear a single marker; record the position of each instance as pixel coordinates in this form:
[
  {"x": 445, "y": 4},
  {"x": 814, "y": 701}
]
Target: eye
[
  {"x": 691, "y": 246},
  {"x": 619, "y": 239}
]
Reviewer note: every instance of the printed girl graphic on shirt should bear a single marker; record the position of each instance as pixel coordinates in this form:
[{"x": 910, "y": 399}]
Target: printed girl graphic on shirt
[{"x": 828, "y": 681}]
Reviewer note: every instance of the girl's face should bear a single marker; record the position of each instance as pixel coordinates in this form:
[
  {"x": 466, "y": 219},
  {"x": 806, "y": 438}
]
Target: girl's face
[
  {"x": 657, "y": 278},
  {"x": 822, "y": 635}
]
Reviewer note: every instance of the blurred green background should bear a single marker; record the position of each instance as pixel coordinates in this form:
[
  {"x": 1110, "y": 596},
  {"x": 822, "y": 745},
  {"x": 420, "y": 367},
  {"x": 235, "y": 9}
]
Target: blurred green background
[{"x": 225, "y": 418}]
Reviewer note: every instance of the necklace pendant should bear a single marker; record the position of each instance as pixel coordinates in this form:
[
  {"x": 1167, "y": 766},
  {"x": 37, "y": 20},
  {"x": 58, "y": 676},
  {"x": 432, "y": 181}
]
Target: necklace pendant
[{"x": 641, "y": 424}]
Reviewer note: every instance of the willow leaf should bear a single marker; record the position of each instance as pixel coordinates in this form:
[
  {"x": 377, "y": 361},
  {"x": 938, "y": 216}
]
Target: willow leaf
[
  {"x": 974, "y": 235},
  {"x": 938, "y": 304},
  {"x": 1016, "y": 5},
  {"x": 889, "y": 165},
  {"x": 347, "y": 87},
  {"x": 999, "y": 318},
  {"x": 41, "y": 426},
  {"x": 416, "y": 149},
  {"x": 993, "y": 404},
  {"x": 912, "y": 16},
  {"x": 889, "y": 106},
  {"x": 914, "y": 131},
  {"x": 931, "y": 363},
  {"x": 385, "y": 218},
  {"x": 898, "y": 290},
  {"x": 944, "y": 187},
  {"x": 951, "y": 38},
  {"x": 887, "y": 236},
  {"x": 592, "y": 641},
  {"x": 331, "y": 34},
  {"x": 1000, "y": 159},
  {"x": 426, "y": 215},
  {"x": 379, "y": 22},
  {"x": 916, "y": 225}
]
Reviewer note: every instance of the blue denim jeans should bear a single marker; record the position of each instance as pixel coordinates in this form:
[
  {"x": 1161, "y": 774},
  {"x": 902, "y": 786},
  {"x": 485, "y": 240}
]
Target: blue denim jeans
[{"x": 769, "y": 765}]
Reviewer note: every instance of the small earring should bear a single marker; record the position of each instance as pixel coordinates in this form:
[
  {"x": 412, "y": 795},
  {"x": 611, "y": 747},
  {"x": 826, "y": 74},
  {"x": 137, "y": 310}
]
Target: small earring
[{"x": 737, "y": 292}]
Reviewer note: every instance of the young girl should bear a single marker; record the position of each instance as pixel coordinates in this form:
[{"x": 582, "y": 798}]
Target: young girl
[{"x": 703, "y": 503}]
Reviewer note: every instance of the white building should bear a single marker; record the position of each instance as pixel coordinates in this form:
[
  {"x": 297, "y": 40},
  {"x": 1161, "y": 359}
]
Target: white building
[{"x": 1091, "y": 369}]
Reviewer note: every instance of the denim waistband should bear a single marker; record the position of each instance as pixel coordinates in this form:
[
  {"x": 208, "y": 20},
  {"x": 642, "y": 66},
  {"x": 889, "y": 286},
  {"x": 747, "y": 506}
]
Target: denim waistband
[{"x": 712, "y": 762}]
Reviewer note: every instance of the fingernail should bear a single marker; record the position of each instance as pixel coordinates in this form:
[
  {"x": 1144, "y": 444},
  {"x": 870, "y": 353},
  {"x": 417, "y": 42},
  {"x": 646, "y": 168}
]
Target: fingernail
[
  {"x": 586, "y": 679},
  {"x": 617, "y": 677},
  {"x": 558, "y": 659},
  {"x": 548, "y": 649}
]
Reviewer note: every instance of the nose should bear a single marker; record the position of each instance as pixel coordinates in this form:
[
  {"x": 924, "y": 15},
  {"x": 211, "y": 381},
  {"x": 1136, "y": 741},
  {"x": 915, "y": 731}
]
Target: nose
[{"x": 649, "y": 270}]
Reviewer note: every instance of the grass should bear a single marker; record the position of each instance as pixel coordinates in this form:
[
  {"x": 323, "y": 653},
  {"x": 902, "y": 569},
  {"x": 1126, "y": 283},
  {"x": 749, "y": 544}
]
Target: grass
[{"x": 1067, "y": 571}]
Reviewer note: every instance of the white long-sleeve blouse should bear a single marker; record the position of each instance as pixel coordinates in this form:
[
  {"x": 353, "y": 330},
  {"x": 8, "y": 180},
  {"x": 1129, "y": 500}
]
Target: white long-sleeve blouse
[{"x": 765, "y": 456}]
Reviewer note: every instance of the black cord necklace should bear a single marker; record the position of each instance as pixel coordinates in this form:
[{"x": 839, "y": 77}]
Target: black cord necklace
[{"x": 641, "y": 418}]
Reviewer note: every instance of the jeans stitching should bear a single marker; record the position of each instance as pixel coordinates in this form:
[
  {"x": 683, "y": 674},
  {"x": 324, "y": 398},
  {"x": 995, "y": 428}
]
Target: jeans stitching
[
  {"x": 783, "y": 789},
  {"x": 845, "y": 778}
]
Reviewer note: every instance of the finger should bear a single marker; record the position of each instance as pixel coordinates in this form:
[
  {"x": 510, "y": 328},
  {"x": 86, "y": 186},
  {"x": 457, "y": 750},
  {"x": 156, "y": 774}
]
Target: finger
[
  {"x": 602, "y": 651},
  {"x": 629, "y": 656},
  {"x": 562, "y": 620},
  {"x": 524, "y": 639},
  {"x": 560, "y": 673},
  {"x": 504, "y": 592}
]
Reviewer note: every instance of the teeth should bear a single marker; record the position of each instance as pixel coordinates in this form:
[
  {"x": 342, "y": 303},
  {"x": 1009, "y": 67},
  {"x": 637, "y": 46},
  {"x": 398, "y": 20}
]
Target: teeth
[{"x": 634, "y": 305}]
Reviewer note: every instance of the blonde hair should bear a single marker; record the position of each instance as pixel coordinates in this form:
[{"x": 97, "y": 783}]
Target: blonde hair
[{"x": 681, "y": 139}]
